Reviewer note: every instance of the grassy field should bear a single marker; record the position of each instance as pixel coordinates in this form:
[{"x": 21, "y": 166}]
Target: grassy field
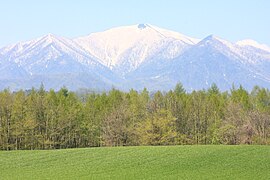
[{"x": 163, "y": 162}]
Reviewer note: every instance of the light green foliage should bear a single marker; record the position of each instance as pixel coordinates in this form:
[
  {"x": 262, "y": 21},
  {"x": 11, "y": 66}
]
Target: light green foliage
[
  {"x": 158, "y": 129},
  {"x": 38, "y": 119}
]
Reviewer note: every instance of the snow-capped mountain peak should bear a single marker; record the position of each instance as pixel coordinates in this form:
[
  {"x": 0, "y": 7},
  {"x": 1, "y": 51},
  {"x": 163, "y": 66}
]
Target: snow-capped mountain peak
[
  {"x": 217, "y": 43},
  {"x": 250, "y": 42},
  {"x": 125, "y": 48},
  {"x": 49, "y": 37},
  {"x": 173, "y": 34},
  {"x": 136, "y": 56},
  {"x": 213, "y": 39}
]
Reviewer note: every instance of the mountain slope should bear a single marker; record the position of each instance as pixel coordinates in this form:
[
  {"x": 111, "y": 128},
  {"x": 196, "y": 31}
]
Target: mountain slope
[
  {"x": 51, "y": 59},
  {"x": 124, "y": 49},
  {"x": 134, "y": 56},
  {"x": 212, "y": 60}
]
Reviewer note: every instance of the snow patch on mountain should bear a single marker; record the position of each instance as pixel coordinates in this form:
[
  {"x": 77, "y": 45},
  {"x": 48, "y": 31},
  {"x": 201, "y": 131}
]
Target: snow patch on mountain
[
  {"x": 125, "y": 48},
  {"x": 136, "y": 56},
  {"x": 250, "y": 42}
]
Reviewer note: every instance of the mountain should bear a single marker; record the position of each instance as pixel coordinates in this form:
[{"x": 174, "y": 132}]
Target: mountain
[
  {"x": 211, "y": 60},
  {"x": 134, "y": 56},
  {"x": 214, "y": 60},
  {"x": 253, "y": 44},
  {"x": 124, "y": 49},
  {"x": 54, "y": 61}
]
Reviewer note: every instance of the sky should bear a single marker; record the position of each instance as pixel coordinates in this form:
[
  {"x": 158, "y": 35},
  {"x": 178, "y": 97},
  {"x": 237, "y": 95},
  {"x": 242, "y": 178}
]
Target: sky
[{"x": 232, "y": 20}]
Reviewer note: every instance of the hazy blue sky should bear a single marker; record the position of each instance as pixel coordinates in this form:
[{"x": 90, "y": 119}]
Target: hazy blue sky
[{"x": 230, "y": 19}]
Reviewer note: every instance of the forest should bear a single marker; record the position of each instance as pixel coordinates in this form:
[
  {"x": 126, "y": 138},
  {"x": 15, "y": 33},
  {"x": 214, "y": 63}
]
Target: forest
[{"x": 39, "y": 119}]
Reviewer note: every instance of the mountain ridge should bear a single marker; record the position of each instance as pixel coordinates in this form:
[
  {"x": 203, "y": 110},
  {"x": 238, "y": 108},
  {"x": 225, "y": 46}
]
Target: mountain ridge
[{"x": 136, "y": 56}]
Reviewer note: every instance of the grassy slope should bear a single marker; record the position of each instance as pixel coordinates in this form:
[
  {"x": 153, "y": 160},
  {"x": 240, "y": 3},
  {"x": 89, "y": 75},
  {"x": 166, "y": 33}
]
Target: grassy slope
[{"x": 167, "y": 162}]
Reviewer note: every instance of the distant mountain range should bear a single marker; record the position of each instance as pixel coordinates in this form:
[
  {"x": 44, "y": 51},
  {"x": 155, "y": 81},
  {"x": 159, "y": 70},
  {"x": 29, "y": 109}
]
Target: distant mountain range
[{"x": 135, "y": 57}]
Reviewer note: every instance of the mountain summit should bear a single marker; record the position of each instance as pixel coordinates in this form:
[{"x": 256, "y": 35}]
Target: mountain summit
[
  {"x": 136, "y": 56},
  {"x": 124, "y": 49}
]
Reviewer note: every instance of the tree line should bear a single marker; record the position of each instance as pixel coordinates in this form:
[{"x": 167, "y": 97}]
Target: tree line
[{"x": 39, "y": 119}]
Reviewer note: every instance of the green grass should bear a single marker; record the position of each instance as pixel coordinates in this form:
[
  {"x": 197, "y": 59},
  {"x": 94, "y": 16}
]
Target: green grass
[{"x": 163, "y": 162}]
